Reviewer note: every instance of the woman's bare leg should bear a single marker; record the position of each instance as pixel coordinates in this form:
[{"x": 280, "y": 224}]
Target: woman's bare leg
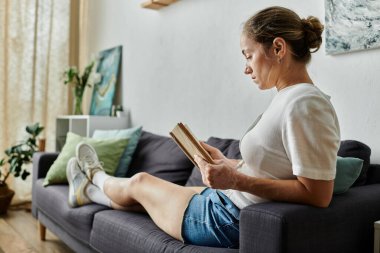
[
  {"x": 135, "y": 208},
  {"x": 197, "y": 189},
  {"x": 139, "y": 208},
  {"x": 164, "y": 201}
]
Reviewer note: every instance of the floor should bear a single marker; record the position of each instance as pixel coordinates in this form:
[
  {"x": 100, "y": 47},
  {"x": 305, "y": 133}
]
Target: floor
[{"x": 19, "y": 233}]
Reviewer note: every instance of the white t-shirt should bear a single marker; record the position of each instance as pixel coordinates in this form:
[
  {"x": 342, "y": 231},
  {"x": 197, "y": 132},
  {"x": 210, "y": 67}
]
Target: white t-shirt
[{"x": 298, "y": 135}]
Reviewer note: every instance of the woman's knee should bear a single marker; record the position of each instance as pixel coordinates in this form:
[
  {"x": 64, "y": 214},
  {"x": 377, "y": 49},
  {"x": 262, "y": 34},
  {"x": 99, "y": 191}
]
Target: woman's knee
[
  {"x": 138, "y": 184},
  {"x": 139, "y": 178}
]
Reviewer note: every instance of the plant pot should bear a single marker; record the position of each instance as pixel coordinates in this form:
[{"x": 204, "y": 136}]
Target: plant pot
[{"x": 6, "y": 196}]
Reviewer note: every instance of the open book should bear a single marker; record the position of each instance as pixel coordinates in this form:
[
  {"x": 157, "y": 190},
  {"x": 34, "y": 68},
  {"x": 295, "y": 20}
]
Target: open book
[{"x": 189, "y": 143}]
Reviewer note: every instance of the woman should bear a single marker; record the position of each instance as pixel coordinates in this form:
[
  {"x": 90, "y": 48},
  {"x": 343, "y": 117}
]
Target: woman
[{"x": 288, "y": 155}]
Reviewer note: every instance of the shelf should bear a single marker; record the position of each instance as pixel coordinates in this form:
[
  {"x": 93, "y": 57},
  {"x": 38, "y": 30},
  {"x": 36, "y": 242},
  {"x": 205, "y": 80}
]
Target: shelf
[{"x": 85, "y": 125}]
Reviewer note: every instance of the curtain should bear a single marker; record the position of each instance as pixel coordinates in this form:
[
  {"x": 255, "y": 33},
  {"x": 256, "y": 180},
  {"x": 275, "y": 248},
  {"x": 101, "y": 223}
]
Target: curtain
[
  {"x": 81, "y": 40},
  {"x": 34, "y": 36}
]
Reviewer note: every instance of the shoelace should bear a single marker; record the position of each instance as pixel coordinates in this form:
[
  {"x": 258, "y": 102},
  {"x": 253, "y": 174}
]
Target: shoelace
[
  {"x": 91, "y": 162},
  {"x": 93, "y": 165}
]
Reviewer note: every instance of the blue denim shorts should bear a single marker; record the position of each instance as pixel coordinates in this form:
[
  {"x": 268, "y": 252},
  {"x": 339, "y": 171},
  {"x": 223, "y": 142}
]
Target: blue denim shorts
[{"x": 211, "y": 219}]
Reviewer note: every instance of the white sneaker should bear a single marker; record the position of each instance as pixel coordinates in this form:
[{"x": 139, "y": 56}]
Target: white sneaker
[
  {"x": 88, "y": 160},
  {"x": 78, "y": 182}
]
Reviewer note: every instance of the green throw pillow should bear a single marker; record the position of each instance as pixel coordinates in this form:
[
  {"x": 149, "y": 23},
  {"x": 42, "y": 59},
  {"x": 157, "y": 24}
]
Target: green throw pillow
[
  {"x": 347, "y": 171},
  {"x": 133, "y": 134},
  {"x": 109, "y": 152}
]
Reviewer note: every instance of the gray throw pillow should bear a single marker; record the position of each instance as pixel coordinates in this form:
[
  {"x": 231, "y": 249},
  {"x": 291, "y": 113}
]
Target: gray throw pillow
[{"x": 160, "y": 156}]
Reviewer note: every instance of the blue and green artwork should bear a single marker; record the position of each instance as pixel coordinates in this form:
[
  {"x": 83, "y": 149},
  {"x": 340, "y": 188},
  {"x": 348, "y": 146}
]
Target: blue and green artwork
[{"x": 104, "y": 92}]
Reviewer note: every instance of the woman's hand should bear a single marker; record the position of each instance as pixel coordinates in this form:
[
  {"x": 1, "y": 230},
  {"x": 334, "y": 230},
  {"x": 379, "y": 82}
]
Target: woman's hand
[
  {"x": 220, "y": 175},
  {"x": 215, "y": 153}
]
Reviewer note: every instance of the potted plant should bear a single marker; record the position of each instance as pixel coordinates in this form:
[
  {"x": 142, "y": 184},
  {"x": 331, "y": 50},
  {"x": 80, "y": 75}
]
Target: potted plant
[
  {"x": 17, "y": 156},
  {"x": 80, "y": 82}
]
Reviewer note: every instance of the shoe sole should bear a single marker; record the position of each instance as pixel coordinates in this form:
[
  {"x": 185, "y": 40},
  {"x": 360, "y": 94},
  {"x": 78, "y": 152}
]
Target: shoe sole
[
  {"x": 70, "y": 163},
  {"x": 68, "y": 169}
]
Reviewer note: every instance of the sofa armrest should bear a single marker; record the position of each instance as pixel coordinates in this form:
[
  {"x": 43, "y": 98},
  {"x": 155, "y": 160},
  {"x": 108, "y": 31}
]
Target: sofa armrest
[
  {"x": 41, "y": 164},
  {"x": 261, "y": 229},
  {"x": 345, "y": 226},
  {"x": 271, "y": 227}
]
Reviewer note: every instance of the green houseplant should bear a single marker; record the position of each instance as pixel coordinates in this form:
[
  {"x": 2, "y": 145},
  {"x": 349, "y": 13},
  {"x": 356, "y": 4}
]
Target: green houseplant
[
  {"x": 80, "y": 82},
  {"x": 17, "y": 156}
]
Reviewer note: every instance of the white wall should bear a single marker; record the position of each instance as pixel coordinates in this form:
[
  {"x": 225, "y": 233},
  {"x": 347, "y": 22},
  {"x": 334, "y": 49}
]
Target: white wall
[{"x": 183, "y": 63}]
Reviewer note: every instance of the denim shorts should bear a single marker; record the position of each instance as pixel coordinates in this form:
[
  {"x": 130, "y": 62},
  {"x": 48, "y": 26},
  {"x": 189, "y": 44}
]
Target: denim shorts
[{"x": 211, "y": 219}]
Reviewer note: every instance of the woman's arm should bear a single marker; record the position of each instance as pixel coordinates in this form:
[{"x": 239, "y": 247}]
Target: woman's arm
[
  {"x": 301, "y": 190},
  {"x": 223, "y": 175}
]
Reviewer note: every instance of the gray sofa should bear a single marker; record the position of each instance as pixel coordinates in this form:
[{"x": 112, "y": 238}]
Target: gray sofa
[{"x": 273, "y": 227}]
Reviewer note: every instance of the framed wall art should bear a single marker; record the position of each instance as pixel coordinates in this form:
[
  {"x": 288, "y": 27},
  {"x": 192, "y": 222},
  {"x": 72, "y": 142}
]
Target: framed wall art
[
  {"x": 108, "y": 65},
  {"x": 352, "y": 25}
]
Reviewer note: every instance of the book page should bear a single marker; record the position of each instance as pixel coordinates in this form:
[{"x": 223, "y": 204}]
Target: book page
[{"x": 189, "y": 143}]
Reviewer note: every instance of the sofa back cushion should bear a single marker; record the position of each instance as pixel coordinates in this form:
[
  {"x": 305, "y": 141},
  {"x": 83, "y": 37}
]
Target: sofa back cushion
[
  {"x": 373, "y": 174},
  {"x": 352, "y": 148},
  {"x": 160, "y": 156},
  {"x": 229, "y": 148}
]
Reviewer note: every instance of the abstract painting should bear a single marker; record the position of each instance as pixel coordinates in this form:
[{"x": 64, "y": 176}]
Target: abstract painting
[
  {"x": 108, "y": 66},
  {"x": 352, "y": 25}
]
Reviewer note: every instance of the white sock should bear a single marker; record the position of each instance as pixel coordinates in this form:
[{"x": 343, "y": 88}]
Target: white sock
[
  {"x": 99, "y": 178},
  {"x": 97, "y": 196}
]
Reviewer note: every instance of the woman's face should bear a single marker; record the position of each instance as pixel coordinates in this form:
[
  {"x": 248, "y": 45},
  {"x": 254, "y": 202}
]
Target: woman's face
[{"x": 260, "y": 64}]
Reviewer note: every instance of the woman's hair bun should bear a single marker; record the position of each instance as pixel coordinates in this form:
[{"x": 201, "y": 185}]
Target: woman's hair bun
[
  {"x": 313, "y": 29},
  {"x": 304, "y": 36}
]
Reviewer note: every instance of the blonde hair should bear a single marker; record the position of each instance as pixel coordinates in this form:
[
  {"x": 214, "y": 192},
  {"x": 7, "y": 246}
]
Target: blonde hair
[{"x": 303, "y": 35}]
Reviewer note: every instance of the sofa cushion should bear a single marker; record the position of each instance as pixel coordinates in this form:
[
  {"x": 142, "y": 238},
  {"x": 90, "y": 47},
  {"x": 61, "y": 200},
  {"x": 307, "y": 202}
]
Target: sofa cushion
[
  {"x": 109, "y": 152},
  {"x": 373, "y": 175},
  {"x": 352, "y": 148},
  {"x": 133, "y": 134},
  {"x": 347, "y": 171},
  {"x": 52, "y": 201},
  {"x": 160, "y": 156},
  {"x": 119, "y": 231},
  {"x": 229, "y": 148}
]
